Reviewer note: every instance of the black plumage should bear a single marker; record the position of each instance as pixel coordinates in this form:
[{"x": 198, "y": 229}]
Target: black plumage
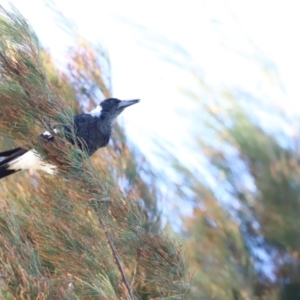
[{"x": 91, "y": 132}]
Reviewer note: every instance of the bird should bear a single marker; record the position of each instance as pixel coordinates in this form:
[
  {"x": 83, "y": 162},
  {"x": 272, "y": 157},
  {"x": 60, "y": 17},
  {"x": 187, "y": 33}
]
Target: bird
[{"x": 92, "y": 130}]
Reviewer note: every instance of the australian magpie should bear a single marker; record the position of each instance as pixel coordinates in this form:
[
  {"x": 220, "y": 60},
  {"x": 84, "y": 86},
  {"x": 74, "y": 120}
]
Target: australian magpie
[{"x": 91, "y": 130}]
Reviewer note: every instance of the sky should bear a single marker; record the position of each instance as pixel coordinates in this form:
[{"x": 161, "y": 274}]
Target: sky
[{"x": 228, "y": 44}]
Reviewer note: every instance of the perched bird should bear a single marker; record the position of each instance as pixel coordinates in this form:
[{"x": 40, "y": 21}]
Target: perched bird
[{"x": 92, "y": 131}]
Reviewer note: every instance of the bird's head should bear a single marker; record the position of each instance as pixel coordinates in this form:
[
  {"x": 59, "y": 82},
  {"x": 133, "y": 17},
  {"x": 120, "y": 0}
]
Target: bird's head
[{"x": 114, "y": 106}]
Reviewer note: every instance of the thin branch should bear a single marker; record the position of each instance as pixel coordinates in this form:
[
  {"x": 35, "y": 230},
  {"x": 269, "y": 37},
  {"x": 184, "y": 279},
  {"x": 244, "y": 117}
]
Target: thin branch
[
  {"x": 134, "y": 275},
  {"x": 115, "y": 254}
]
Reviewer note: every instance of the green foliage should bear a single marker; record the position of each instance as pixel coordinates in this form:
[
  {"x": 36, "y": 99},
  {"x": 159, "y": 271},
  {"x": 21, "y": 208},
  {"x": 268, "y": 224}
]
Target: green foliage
[
  {"x": 261, "y": 176},
  {"x": 78, "y": 235}
]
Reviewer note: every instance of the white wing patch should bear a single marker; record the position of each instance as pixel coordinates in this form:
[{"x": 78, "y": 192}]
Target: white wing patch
[
  {"x": 32, "y": 160},
  {"x": 47, "y": 133},
  {"x": 96, "y": 112}
]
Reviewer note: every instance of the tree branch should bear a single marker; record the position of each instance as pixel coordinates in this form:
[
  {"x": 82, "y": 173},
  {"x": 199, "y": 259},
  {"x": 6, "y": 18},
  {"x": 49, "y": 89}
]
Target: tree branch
[{"x": 114, "y": 253}]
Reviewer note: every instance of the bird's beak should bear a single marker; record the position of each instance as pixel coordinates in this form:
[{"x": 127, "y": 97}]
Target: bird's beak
[{"x": 127, "y": 103}]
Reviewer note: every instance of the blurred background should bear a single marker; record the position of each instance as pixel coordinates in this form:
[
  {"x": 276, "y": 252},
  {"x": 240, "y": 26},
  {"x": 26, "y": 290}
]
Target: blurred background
[{"x": 215, "y": 139}]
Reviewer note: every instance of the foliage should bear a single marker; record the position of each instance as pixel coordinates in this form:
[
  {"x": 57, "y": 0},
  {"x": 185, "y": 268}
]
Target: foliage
[
  {"x": 92, "y": 232},
  {"x": 243, "y": 231}
]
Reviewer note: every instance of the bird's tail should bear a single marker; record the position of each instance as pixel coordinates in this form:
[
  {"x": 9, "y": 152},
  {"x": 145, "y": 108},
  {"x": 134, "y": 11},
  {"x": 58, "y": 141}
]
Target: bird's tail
[
  {"x": 5, "y": 172},
  {"x": 8, "y": 157}
]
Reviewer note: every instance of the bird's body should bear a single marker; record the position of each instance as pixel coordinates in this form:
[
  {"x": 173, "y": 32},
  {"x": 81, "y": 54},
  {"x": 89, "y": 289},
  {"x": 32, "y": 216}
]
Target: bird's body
[
  {"x": 91, "y": 130},
  {"x": 93, "y": 139}
]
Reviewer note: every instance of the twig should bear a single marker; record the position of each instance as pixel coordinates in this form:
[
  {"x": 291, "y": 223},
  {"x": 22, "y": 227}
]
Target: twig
[
  {"x": 115, "y": 254},
  {"x": 134, "y": 275}
]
